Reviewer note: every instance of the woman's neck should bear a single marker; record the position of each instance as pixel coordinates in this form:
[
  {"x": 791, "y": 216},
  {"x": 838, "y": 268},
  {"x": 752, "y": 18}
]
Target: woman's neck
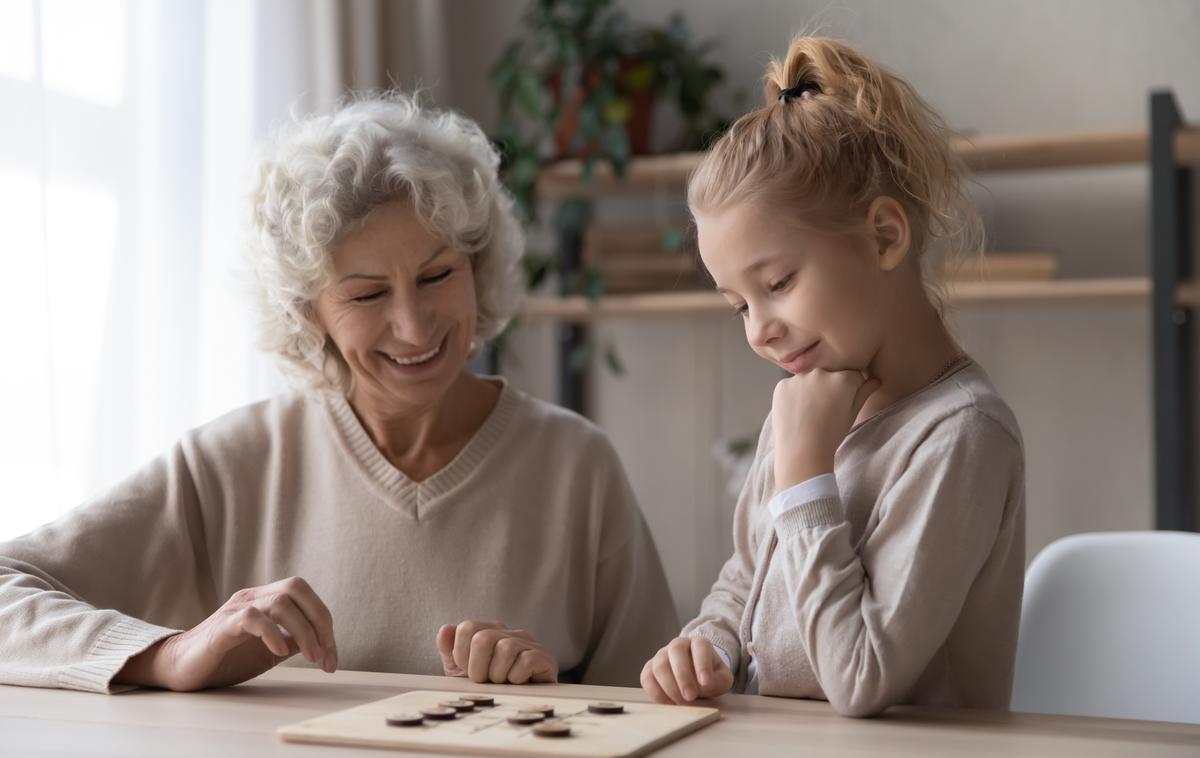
[{"x": 422, "y": 440}]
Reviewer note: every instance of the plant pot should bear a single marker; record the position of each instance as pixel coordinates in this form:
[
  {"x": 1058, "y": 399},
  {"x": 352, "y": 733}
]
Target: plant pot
[{"x": 636, "y": 90}]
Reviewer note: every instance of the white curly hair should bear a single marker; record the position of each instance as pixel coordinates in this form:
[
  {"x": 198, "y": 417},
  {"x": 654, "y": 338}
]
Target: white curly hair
[{"x": 324, "y": 173}]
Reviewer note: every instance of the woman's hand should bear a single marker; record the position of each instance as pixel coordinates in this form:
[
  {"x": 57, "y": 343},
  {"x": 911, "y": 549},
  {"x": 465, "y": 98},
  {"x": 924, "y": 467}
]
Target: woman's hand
[
  {"x": 488, "y": 651},
  {"x": 811, "y": 414},
  {"x": 255, "y": 630},
  {"x": 687, "y": 668}
]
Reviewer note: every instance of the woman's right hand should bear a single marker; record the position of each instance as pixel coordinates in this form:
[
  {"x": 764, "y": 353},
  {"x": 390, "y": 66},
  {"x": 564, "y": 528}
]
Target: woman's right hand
[
  {"x": 687, "y": 668},
  {"x": 254, "y": 631}
]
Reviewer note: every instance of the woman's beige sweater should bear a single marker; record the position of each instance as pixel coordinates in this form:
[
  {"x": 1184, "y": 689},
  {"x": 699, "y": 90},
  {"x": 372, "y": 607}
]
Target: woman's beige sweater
[{"x": 533, "y": 523}]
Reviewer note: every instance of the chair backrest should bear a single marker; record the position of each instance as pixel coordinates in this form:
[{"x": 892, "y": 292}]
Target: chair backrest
[{"x": 1110, "y": 626}]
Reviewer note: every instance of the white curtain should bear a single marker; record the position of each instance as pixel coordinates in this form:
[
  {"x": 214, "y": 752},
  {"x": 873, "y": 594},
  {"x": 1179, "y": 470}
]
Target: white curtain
[{"x": 127, "y": 134}]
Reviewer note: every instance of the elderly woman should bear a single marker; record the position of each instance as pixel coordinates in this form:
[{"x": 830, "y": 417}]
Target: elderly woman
[{"x": 394, "y": 492}]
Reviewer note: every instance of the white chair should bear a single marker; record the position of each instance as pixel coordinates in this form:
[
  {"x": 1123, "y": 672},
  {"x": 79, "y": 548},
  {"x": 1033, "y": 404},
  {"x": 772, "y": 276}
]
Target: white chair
[{"x": 1111, "y": 627}]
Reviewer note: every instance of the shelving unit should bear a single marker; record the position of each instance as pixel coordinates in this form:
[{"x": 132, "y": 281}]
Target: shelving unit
[
  {"x": 982, "y": 154},
  {"x": 1170, "y": 148},
  {"x": 579, "y": 309}
]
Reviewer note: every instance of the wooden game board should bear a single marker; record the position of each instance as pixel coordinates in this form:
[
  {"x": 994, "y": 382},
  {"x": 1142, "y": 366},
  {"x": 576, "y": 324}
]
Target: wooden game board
[{"x": 640, "y": 729}]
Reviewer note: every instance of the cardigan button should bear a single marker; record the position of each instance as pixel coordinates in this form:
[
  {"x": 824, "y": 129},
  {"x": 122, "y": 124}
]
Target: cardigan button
[{"x": 750, "y": 648}]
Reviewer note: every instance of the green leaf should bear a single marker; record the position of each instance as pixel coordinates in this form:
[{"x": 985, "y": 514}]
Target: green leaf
[
  {"x": 616, "y": 146},
  {"x": 579, "y": 357},
  {"x": 588, "y": 126},
  {"x": 593, "y": 284},
  {"x": 529, "y": 95},
  {"x": 572, "y": 214},
  {"x": 613, "y": 360},
  {"x": 524, "y": 169},
  {"x": 536, "y": 267},
  {"x": 638, "y": 78},
  {"x": 618, "y": 111},
  {"x": 672, "y": 240}
]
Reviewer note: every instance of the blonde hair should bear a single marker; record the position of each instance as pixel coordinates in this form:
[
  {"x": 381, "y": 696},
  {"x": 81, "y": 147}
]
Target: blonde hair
[
  {"x": 837, "y": 131},
  {"x": 325, "y": 173}
]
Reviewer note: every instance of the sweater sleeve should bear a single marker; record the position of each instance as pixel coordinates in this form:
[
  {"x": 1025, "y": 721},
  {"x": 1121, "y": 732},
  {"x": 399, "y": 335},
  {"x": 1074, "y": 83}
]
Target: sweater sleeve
[
  {"x": 633, "y": 613},
  {"x": 721, "y": 610},
  {"x": 82, "y": 595},
  {"x": 871, "y": 620}
]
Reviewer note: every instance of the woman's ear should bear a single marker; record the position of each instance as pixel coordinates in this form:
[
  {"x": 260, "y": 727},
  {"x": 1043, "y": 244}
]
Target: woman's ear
[
  {"x": 887, "y": 223},
  {"x": 314, "y": 315}
]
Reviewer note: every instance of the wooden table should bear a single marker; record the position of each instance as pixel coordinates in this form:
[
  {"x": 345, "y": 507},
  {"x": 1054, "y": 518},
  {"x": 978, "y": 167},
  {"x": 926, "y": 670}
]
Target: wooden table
[{"x": 241, "y": 721}]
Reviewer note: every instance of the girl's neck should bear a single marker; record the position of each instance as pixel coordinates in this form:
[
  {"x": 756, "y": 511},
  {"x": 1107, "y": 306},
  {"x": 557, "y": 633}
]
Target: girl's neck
[{"x": 916, "y": 350}]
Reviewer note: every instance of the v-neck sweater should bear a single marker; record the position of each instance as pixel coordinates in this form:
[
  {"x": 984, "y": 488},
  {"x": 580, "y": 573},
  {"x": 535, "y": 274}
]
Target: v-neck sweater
[{"x": 532, "y": 523}]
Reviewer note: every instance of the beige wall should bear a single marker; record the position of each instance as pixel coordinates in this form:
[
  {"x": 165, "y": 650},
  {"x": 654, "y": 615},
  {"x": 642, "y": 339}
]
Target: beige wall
[{"x": 1077, "y": 376}]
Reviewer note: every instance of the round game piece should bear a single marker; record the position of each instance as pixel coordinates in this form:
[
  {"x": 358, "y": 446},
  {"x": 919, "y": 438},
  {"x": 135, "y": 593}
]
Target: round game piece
[
  {"x": 606, "y": 708},
  {"x": 525, "y": 718},
  {"x": 552, "y": 729},
  {"x": 441, "y": 713},
  {"x": 459, "y": 706},
  {"x": 480, "y": 701},
  {"x": 405, "y": 719},
  {"x": 545, "y": 710}
]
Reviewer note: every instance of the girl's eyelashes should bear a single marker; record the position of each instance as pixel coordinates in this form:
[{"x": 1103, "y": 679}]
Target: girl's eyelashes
[
  {"x": 782, "y": 283},
  {"x": 774, "y": 287}
]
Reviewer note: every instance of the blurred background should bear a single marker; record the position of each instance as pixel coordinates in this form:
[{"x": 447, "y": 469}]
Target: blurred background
[{"x": 127, "y": 139}]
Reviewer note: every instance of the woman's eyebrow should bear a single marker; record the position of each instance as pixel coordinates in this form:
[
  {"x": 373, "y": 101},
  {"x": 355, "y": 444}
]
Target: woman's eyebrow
[
  {"x": 379, "y": 278},
  {"x": 371, "y": 277}
]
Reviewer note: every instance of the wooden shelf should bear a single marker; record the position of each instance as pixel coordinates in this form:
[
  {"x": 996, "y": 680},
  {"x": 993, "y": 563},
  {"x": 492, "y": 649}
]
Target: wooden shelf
[
  {"x": 1116, "y": 290},
  {"x": 983, "y": 154}
]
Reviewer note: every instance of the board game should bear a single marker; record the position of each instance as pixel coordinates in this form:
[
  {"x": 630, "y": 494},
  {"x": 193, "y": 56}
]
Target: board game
[{"x": 517, "y": 725}]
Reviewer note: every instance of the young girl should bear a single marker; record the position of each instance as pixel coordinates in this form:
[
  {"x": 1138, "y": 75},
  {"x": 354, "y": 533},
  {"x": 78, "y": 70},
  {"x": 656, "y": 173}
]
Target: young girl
[{"x": 879, "y": 539}]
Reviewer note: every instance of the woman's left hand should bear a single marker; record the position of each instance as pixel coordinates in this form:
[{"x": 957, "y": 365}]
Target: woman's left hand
[
  {"x": 488, "y": 651},
  {"x": 811, "y": 414}
]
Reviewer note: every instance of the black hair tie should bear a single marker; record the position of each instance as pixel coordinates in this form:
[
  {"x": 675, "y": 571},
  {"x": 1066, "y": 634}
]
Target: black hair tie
[{"x": 792, "y": 93}]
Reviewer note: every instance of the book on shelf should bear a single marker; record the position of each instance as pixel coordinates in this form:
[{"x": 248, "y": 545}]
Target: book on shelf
[{"x": 1002, "y": 267}]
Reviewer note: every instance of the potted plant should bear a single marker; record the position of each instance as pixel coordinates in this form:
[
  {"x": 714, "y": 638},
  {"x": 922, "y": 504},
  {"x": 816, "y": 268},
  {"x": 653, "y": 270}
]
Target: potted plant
[{"x": 583, "y": 81}]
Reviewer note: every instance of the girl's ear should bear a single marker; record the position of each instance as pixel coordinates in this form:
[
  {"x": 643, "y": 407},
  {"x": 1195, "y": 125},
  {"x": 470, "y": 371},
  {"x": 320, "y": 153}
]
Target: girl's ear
[{"x": 888, "y": 226}]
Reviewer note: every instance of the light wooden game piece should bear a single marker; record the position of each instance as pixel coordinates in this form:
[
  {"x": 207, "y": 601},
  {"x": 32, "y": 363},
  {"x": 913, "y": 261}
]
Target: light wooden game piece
[
  {"x": 481, "y": 701},
  {"x": 542, "y": 708},
  {"x": 440, "y": 713},
  {"x": 552, "y": 729},
  {"x": 524, "y": 718},
  {"x": 459, "y": 706},
  {"x": 606, "y": 708}
]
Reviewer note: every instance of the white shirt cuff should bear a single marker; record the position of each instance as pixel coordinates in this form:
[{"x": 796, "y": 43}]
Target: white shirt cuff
[
  {"x": 822, "y": 486},
  {"x": 724, "y": 657}
]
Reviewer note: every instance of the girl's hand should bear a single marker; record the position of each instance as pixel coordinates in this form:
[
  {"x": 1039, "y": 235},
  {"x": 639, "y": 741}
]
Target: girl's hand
[
  {"x": 255, "y": 630},
  {"x": 687, "y": 668},
  {"x": 488, "y": 651},
  {"x": 811, "y": 414}
]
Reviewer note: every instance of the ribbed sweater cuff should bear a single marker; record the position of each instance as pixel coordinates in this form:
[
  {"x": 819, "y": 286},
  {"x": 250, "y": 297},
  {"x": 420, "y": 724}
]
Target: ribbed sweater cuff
[
  {"x": 826, "y": 511},
  {"x": 721, "y": 643},
  {"x": 116, "y": 645}
]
